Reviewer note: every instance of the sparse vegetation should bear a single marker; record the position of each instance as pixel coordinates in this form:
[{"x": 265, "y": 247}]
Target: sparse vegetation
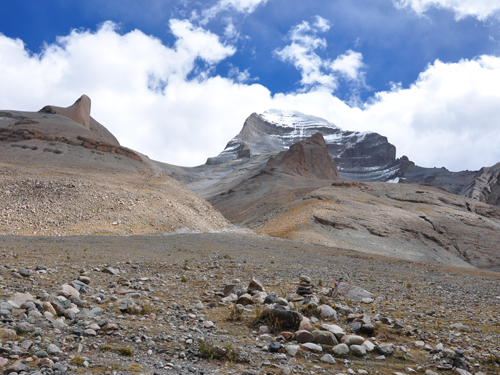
[{"x": 126, "y": 351}]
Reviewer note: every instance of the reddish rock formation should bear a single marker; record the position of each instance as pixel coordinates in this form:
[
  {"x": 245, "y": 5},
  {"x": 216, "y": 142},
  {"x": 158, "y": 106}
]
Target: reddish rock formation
[{"x": 308, "y": 158}]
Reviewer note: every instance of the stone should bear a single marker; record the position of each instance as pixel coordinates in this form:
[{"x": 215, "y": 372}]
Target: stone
[
  {"x": 369, "y": 346},
  {"x": 358, "y": 350},
  {"x": 47, "y": 306},
  {"x": 313, "y": 347},
  {"x": 368, "y": 329},
  {"x": 41, "y": 354},
  {"x": 327, "y": 311},
  {"x": 270, "y": 299},
  {"x": 264, "y": 329},
  {"x": 305, "y": 324},
  {"x": 340, "y": 349},
  {"x": 292, "y": 349},
  {"x": 28, "y": 305},
  {"x": 45, "y": 362},
  {"x": 282, "y": 301},
  {"x": 266, "y": 338},
  {"x": 327, "y": 358},
  {"x": 255, "y": 285},
  {"x": 8, "y": 334},
  {"x": 59, "y": 324},
  {"x": 82, "y": 287},
  {"x": 24, "y": 272},
  {"x": 25, "y": 327},
  {"x": 90, "y": 332},
  {"x": 286, "y": 318},
  {"x": 67, "y": 291},
  {"x": 245, "y": 299},
  {"x": 19, "y": 298},
  {"x": 304, "y": 336},
  {"x": 96, "y": 311},
  {"x": 41, "y": 267},
  {"x": 77, "y": 301},
  {"x": 53, "y": 349},
  {"x": 460, "y": 371},
  {"x": 111, "y": 271},
  {"x": 367, "y": 300},
  {"x": 335, "y": 329},
  {"x": 274, "y": 347},
  {"x": 353, "y": 292},
  {"x": 287, "y": 335},
  {"x": 84, "y": 279},
  {"x": 17, "y": 367},
  {"x": 3, "y": 361},
  {"x": 460, "y": 327},
  {"x": 324, "y": 338},
  {"x": 353, "y": 340},
  {"x": 305, "y": 279},
  {"x": 385, "y": 349}
]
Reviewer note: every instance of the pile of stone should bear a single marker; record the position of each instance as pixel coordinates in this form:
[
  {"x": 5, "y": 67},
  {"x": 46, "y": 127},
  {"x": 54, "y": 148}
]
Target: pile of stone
[{"x": 304, "y": 286}]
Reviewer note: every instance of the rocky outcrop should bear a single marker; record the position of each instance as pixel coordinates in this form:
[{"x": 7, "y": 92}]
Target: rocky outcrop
[
  {"x": 485, "y": 185},
  {"x": 308, "y": 158},
  {"x": 79, "y": 112}
]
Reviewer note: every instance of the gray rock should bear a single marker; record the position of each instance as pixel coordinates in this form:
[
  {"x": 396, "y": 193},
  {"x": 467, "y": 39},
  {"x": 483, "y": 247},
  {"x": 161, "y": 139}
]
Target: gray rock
[
  {"x": 324, "y": 338},
  {"x": 53, "y": 349},
  {"x": 41, "y": 267},
  {"x": 77, "y": 301},
  {"x": 313, "y": 347},
  {"x": 274, "y": 347},
  {"x": 385, "y": 349},
  {"x": 41, "y": 354},
  {"x": 368, "y": 329},
  {"x": 353, "y": 340},
  {"x": 358, "y": 350},
  {"x": 327, "y": 311},
  {"x": 96, "y": 311},
  {"x": 327, "y": 358},
  {"x": 24, "y": 272},
  {"x": 25, "y": 327},
  {"x": 292, "y": 349},
  {"x": 340, "y": 349}
]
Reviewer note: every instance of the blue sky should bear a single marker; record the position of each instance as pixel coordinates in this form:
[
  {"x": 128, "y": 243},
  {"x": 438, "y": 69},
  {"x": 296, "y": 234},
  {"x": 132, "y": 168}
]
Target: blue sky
[{"x": 176, "y": 79}]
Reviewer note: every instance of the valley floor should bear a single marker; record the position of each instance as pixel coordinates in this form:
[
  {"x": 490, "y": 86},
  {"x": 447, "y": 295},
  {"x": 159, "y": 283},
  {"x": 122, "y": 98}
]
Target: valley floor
[{"x": 174, "y": 280}]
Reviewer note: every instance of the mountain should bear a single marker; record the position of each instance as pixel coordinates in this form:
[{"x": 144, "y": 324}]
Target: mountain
[
  {"x": 359, "y": 156},
  {"x": 409, "y": 221},
  {"x": 63, "y": 173}
]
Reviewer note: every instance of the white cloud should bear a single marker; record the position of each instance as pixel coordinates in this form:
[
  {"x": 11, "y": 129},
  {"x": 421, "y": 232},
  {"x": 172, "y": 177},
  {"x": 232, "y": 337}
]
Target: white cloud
[
  {"x": 316, "y": 72},
  {"x": 349, "y": 65},
  {"x": 241, "y": 6},
  {"x": 144, "y": 92},
  {"x": 480, "y": 9}
]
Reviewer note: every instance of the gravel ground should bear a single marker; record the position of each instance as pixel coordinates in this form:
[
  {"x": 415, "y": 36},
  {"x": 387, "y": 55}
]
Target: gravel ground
[{"x": 161, "y": 295}]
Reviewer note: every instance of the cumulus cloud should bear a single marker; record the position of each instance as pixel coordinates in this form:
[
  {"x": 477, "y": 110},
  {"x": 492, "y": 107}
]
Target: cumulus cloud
[
  {"x": 480, "y": 9},
  {"x": 317, "y": 72},
  {"x": 166, "y": 102}
]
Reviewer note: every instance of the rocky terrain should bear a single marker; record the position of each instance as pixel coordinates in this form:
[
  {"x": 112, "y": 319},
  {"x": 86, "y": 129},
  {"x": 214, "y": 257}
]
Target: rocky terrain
[
  {"x": 204, "y": 304},
  {"x": 62, "y": 173}
]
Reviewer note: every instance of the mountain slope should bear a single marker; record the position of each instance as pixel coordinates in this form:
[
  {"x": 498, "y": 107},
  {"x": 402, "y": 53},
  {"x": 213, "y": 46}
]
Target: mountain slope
[
  {"x": 64, "y": 173},
  {"x": 408, "y": 221}
]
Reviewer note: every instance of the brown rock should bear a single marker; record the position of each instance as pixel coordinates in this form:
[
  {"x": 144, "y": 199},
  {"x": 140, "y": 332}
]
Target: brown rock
[
  {"x": 304, "y": 336},
  {"x": 255, "y": 285},
  {"x": 308, "y": 158},
  {"x": 8, "y": 334}
]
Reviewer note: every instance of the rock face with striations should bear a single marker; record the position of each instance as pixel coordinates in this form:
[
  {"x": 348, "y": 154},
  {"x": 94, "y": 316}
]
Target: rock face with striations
[{"x": 485, "y": 186}]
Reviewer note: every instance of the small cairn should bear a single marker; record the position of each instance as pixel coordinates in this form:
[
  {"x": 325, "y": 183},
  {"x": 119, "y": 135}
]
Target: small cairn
[{"x": 304, "y": 286}]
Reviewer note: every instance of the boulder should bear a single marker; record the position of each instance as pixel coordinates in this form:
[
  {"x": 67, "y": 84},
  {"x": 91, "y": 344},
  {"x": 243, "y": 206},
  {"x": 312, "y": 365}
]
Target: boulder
[{"x": 324, "y": 338}]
